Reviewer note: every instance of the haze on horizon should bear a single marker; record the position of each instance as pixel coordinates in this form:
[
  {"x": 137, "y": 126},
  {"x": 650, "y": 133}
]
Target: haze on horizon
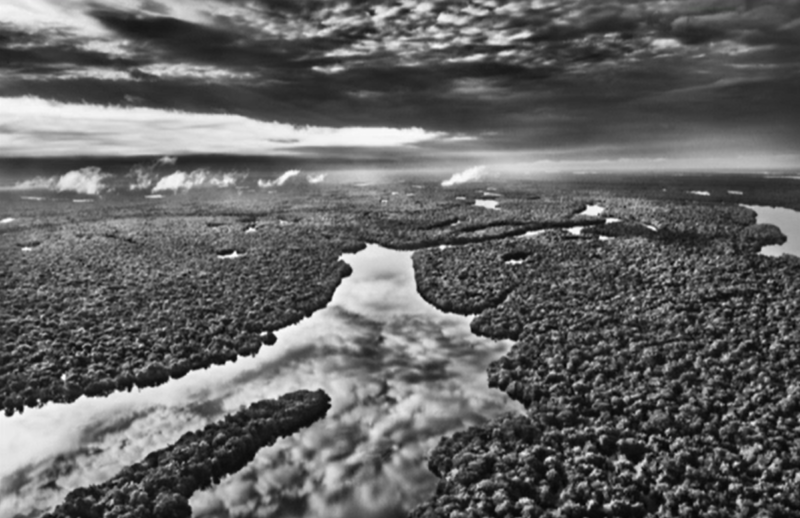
[{"x": 554, "y": 85}]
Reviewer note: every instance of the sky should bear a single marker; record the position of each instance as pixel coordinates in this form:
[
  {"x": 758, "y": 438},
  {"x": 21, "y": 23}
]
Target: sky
[{"x": 535, "y": 84}]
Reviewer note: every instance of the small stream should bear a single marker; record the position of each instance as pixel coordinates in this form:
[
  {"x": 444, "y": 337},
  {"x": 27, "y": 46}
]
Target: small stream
[
  {"x": 593, "y": 211},
  {"x": 401, "y": 374}
]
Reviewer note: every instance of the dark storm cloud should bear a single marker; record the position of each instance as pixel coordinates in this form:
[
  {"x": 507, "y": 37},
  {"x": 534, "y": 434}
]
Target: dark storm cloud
[{"x": 557, "y": 73}]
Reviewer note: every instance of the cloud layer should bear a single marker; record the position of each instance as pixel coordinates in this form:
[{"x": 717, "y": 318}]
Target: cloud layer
[
  {"x": 37, "y": 127},
  {"x": 589, "y": 80}
]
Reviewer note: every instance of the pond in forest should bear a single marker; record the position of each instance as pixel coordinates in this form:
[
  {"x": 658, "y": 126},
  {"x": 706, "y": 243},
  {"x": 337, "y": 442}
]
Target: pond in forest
[
  {"x": 788, "y": 221},
  {"x": 487, "y": 204}
]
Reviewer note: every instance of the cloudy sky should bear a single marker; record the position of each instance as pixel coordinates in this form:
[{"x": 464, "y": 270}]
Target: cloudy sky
[{"x": 644, "y": 83}]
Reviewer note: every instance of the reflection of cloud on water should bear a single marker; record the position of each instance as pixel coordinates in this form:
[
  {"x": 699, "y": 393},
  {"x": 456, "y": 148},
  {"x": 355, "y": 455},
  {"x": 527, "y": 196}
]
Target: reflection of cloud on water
[
  {"x": 394, "y": 394},
  {"x": 400, "y": 375},
  {"x": 99, "y": 455}
]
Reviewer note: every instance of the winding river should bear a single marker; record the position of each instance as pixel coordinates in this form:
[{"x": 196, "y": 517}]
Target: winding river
[{"x": 401, "y": 374}]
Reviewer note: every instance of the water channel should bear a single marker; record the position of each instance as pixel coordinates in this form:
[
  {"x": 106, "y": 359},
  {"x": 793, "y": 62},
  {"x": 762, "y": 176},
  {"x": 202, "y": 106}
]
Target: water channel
[{"x": 401, "y": 374}]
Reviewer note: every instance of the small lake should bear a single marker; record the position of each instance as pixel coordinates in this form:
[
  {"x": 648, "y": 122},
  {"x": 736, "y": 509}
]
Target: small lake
[
  {"x": 401, "y": 374},
  {"x": 487, "y": 204},
  {"x": 788, "y": 221},
  {"x": 592, "y": 210}
]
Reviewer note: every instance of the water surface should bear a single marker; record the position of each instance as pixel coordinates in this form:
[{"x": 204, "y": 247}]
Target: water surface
[
  {"x": 592, "y": 210},
  {"x": 400, "y": 373},
  {"x": 788, "y": 221},
  {"x": 487, "y": 204}
]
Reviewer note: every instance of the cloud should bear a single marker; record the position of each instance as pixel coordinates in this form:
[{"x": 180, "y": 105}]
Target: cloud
[
  {"x": 666, "y": 44},
  {"x": 33, "y": 184},
  {"x": 144, "y": 175},
  {"x": 182, "y": 181},
  {"x": 36, "y": 127},
  {"x": 315, "y": 178},
  {"x": 143, "y": 178},
  {"x": 442, "y": 66},
  {"x": 88, "y": 180},
  {"x": 167, "y": 160},
  {"x": 226, "y": 180},
  {"x": 44, "y": 14},
  {"x": 279, "y": 181},
  {"x": 472, "y": 174},
  {"x": 201, "y": 72}
]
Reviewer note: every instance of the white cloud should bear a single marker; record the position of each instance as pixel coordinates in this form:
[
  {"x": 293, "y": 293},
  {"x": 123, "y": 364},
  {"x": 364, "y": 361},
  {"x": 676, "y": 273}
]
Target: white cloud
[
  {"x": 73, "y": 17},
  {"x": 144, "y": 175},
  {"x": 665, "y": 44},
  {"x": 143, "y": 178},
  {"x": 225, "y": 180},
  {"x": 279, "y": 181},
  {"x": 470, "y": 175},
  {"x": 472, "y": 58},
  {"x": 202, "y": 72},
  {"x": 167, "y": 160},
  {"x": 179, "y": 180},
  {"x": 182, "y": 181},
  {"x": 34, "y": 184},
  {"x": 44, "y": 14},
  {"x": 88, "y": 180},
  {"x": 100, "y": 73},
  {"x": 39, "y": 127},
  {"x": 315, "y": 178},
  {"x": 112, "y": 47},
  {"x": 330, "y": 69}
]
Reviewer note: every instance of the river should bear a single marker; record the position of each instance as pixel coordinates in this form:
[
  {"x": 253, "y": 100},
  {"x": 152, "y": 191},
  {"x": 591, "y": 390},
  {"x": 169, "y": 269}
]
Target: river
[{"x": 401, "y": 375}]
